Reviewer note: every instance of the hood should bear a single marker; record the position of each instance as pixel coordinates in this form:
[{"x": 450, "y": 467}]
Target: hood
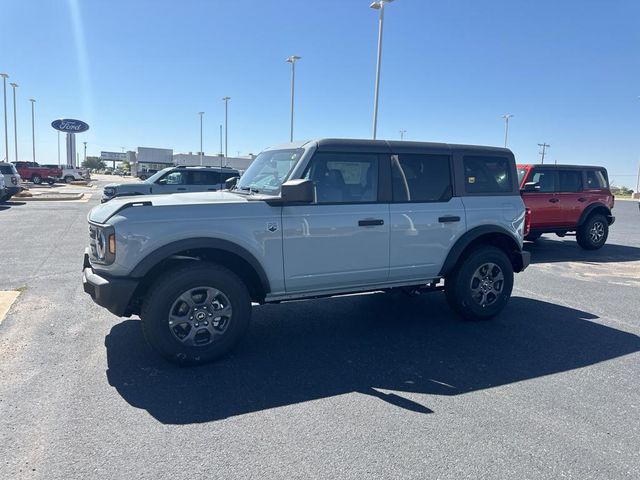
[{"x": 102, "y": 213}]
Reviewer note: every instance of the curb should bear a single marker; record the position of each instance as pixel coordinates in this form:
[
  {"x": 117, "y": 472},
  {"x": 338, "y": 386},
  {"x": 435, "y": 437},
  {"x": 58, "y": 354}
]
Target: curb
[{"x": 47, "y": 198}]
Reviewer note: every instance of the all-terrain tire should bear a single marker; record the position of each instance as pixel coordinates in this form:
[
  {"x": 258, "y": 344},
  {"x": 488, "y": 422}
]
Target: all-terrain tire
[
  {"x": 68, "y": 179},
  {"x": 471, "y": 284},
  {"x": 593, "y": 233},
  {"x": 164, "y": 298},
  {"x": 36, "y": 179}
]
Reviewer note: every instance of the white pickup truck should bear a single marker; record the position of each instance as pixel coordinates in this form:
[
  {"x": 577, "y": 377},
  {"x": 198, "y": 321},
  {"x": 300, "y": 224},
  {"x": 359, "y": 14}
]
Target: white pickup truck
[{"x": 71, "y": 173}]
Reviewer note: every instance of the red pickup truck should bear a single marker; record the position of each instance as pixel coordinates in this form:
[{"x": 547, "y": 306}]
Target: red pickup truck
[
  {"x": 36, "y": 173},
  {"x": 567, "y": 198}
]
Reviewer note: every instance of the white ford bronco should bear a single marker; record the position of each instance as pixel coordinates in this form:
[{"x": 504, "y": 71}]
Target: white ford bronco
[{"x": 310, "y": 219}]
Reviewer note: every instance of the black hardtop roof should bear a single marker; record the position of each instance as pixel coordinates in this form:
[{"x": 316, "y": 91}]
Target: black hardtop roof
[
  {"x": 562, "y": 166},
  {"x": 384, "y": 146}
]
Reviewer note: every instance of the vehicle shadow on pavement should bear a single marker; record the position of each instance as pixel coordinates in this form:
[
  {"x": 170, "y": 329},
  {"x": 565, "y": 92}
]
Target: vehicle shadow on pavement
[
  {"x": 9, "y": 204},
  {"x": 321, "y": 348},
  {"x": 553, "y": 251}
]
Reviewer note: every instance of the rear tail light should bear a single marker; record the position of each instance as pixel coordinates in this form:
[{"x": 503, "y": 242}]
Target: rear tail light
[
  {"x": 14, "y": 180},
  {"x": 527, "y": 221}
]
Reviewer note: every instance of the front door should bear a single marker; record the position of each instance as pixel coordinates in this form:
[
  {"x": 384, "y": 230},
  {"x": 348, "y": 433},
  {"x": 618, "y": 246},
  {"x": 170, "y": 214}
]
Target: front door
[
  {"x": 342, "y": 239},
  {"x": 543, "y": 202},
  {"x": 172, "y": 182}
]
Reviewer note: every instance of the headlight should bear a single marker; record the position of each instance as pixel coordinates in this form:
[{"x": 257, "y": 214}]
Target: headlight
[{"x": 102, "y": 241}]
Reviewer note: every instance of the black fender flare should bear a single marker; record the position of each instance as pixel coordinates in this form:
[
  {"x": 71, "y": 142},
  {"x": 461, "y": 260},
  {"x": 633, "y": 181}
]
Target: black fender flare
[
  {"x": 589, "y": 210},
  {"x": 166, "y": 251},
  {"x": 471, "y": 236}
]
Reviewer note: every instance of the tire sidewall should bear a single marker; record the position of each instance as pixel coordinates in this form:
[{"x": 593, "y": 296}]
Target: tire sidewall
[
  {"x": 163, "y": 294},
  {"x": 461, "y": 297},
  {"x": 585, "y": 238},
  {"x": 36, "y": 179}
]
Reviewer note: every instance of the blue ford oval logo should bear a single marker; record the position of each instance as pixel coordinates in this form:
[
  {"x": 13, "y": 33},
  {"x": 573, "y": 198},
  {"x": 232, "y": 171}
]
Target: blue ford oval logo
[{"x": 70, "y": 125}]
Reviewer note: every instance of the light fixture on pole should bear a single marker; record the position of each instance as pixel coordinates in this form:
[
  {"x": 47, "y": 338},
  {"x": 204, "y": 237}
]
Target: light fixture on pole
[
  {"x": 506, "y": 117},
  {"x": 402, "y": 132},
  {"x": 201, "y": 114},
  {"x": 292, "y": 60},
  {"x": 6, "y": 134},
  {"x": 15, "y": 116},
  {"x": 379, "y": 5},
  {"x": 33, "y": 127},
  {"x": 544, "y": 149},
  {"x": 226, "y": 125}
]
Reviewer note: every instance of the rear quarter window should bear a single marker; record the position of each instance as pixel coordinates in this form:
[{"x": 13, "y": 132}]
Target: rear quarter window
[
  {"x": 596, "y": 179},
  {"x": 487, "y": 174}
]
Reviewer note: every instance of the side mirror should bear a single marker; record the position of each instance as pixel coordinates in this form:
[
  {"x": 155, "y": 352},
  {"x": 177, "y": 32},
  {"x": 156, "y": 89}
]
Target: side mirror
[
  {"x": 531, "y": 187},
  {"x": 297, "y": 191},
  {"x": 229, "y": 183}
]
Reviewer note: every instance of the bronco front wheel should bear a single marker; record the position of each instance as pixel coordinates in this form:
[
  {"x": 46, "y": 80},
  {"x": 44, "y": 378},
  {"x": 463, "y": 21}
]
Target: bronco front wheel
[{"x": 196, "y": 314}]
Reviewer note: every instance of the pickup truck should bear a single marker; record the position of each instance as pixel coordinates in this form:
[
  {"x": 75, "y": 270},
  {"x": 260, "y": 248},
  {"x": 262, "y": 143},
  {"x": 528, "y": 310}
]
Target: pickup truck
[
  {"x": 37, "y": 174},
  {"x": 69, "y": 173}
]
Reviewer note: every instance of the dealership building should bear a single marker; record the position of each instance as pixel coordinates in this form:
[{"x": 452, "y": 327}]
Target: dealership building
[{"x": 148, "y": 158}]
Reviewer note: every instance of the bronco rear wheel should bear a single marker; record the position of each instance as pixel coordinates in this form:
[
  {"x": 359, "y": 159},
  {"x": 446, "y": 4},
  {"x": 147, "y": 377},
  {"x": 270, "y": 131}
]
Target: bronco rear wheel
[
  {"x": 479, "y": 288},
  {"x": 37, "y": 179},
  {"x": 593, "y": 234},
  {"x": 196, "y": 314}
]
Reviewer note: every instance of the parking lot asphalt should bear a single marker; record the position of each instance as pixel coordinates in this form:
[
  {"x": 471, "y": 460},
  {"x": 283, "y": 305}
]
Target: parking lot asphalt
[{"x": 366, "y": 386}]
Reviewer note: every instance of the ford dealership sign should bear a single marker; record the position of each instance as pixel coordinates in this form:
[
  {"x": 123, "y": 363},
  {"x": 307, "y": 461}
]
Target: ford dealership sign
[{"x": 70, "y": 125}]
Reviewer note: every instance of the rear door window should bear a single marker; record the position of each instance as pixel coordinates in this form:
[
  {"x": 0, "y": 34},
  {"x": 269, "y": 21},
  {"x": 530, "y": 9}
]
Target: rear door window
[
  {"x": 596, "y": 180},
  {"x": 485, "y": 174},
  {"x": 570, "y": 181},
  {"x": 200, "y": 177},
  {"x": 421, "y": 178}
]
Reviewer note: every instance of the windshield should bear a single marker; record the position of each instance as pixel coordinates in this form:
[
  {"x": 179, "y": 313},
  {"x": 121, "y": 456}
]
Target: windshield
[
  {"x": 269, "y": 170},
  {"x": 157, "y": 175}
]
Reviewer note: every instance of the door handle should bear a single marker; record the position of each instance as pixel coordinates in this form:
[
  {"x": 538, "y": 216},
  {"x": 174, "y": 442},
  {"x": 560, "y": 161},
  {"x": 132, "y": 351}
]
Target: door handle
[
  {"x": 449, "y": 219},
  {"x": 582, "y": 199},
  {"x": 370, "y": 222},
  {"x": 554, "y": 200}
]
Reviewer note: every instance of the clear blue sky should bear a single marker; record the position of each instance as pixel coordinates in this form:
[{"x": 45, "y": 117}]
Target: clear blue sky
[{"x": 138, "y": 71}]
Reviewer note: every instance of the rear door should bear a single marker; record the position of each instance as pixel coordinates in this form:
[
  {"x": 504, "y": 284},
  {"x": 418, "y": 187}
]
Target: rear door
[
  {"x": 342, "y": 239},
  {"x": 570, "y": 196},
  {"x": 543, "y": 202},
  {"x": 425, "y": 217}
]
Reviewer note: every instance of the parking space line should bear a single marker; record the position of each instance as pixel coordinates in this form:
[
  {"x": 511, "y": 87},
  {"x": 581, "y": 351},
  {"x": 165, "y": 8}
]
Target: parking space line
[{"x": 6, "y": 300}]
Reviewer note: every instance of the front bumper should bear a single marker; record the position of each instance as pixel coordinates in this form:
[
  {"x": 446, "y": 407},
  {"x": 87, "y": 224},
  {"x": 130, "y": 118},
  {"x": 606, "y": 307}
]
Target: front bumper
[
  {"x": 112, "y": 293},
  {"x": 521, "y": 260}
]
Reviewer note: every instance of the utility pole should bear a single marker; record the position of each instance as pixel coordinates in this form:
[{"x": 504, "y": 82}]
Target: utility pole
[
  {"x": 58, "y": 148},
  {"x": 201, "y": 153},
  {"x": 402, "y": 132},
  {"x": 33, "y": 127},
  {"x": 6, "y": 136},
  {"x": 544, "y": 148},
  {"x": 15, "y": 121},
  {"x": 379, "y": 5},
  {"x": 226, "y": 125},
  {"x": 506, "y": 117}
]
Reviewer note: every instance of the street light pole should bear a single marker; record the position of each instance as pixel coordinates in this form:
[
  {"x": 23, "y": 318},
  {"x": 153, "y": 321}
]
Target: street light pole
[
  {"x": 58, "y": 148},
  {"x": 544, "y": 148},
  {"x": 402, "y": 132},
  {"x": 379, "y": 5},
  {"x": 201, "y": 114},
  {"x": 506, "y": 117},
  {"x": 85, "y": 153},
  {"x": 33, "y": 127},
  {"x": 15, "y": 123},
  {"x": 226, "y": 125},
  {"x": 6, "y": 135},
  {"x": 292, "y": 60}
]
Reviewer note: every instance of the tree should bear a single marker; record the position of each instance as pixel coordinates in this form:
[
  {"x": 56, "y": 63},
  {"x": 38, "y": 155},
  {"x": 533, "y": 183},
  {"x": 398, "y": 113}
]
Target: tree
[
  {"x": 94, "y": 163},
  {"x": 125, "y": 165}
]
